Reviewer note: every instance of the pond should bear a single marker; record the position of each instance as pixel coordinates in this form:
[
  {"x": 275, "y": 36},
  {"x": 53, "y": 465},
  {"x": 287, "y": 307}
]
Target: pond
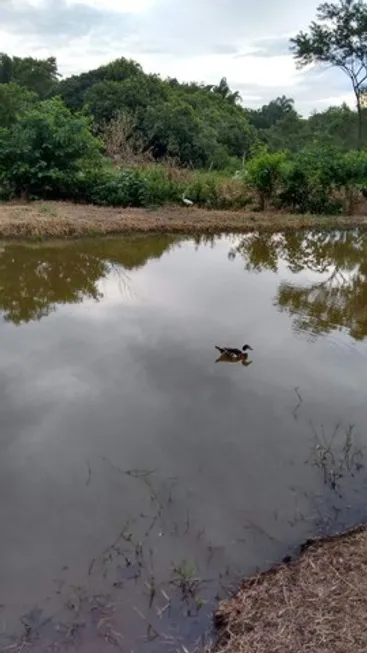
[{"x": 139, "y": 478}]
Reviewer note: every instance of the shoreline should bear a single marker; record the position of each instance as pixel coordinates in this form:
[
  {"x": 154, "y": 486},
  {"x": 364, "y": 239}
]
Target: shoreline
[
  {"x": 64, "y": 220},
  {"x": 314, "y": 601}
]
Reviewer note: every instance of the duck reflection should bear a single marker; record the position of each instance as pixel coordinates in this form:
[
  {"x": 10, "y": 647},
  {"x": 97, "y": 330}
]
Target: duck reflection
[{"x": 233, "y": 355}]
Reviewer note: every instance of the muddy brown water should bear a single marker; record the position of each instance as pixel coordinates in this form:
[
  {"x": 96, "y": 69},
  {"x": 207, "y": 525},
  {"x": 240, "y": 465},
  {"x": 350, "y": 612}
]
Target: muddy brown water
[{"x": 139, "y": 478}]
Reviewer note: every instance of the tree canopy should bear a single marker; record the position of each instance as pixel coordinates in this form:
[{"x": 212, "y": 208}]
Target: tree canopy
[
  {"x": 339, "y": 38},
  {"x": 201, "y": 125}
]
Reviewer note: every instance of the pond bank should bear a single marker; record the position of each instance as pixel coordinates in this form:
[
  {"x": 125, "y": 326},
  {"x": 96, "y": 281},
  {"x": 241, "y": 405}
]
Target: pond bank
[
  {"x": 317, "y": 602},
  {"x": 41, "y": 220}
]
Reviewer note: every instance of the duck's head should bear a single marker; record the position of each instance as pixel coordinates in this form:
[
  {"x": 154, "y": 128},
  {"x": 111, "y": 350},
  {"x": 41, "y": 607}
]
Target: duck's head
[{"x": 246, "y": 348}]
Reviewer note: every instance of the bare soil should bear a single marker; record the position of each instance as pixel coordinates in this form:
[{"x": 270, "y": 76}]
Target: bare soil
[
  {"x": 315, "y": 604},
  {"x": 68, "y": 220}
]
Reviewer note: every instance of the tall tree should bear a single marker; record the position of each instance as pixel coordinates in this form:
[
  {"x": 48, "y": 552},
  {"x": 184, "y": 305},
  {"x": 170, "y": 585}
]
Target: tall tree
[
  {"x": 6, "y": 68},
  {"x": 37, "y": 75},
  {"x": 224, "y": 90},
  {"x": 338, "y": 38}
]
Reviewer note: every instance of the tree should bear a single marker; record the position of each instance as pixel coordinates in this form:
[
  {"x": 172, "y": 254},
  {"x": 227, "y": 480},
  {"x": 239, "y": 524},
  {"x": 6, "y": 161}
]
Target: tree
[
  {"x": 270, "y": 114},
  {"x": 104, "y": 100},
  {"x": 6, "y": 68},
  {"x": 14, "y": 100},
  {"x": 225, "y": 92},
  {"x": 44, "y": 152},
  {"x": 339, "y": 39},
  {"x": 37, "y": 75},
  {"x": 174, "y": 130},
  {"x": 73, "y": 89}
]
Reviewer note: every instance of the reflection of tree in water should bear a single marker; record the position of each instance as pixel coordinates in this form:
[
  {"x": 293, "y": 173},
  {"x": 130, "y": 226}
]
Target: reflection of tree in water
[
  {"x": 338, "y": 299},
  {"x": 33, "y": 280}
]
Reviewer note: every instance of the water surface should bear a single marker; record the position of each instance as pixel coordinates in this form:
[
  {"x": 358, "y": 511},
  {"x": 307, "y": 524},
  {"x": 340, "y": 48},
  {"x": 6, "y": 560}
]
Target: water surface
[{"x": 139, "y": 479}]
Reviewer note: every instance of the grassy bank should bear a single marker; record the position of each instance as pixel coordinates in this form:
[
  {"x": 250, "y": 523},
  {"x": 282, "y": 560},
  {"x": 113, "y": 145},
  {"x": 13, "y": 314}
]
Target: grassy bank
[
  {"x": 41, "y": 220},
  {"x": 315, "y": 603}
]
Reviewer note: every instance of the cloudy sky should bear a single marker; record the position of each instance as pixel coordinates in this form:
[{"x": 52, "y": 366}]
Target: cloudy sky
[{"x": 201, "y": 40}]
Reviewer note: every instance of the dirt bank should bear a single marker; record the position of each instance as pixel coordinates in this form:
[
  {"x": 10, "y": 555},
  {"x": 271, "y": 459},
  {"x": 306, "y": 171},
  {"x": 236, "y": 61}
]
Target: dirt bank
[
  {"x": 317, "y": 603},
  {"x": 67, "y": 220}
]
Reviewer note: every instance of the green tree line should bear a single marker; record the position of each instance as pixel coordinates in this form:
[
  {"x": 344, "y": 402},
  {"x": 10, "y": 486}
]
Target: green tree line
[{"x": 56, "y": 135}]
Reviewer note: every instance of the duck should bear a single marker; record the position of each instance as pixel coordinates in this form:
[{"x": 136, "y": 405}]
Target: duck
[{"x": 233, "y": 352}]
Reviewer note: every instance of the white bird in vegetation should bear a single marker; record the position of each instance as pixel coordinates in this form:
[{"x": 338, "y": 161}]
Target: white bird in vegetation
[{"x": 186, "y": 201}]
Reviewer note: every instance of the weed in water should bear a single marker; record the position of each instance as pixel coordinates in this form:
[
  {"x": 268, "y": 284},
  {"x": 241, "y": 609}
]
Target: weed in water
[{"x": 337, "y": 455}]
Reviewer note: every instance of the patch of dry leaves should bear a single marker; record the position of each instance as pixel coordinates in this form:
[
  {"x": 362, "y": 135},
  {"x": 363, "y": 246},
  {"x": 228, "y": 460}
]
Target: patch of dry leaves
[
  {"x": 315, "y": 604},
  {"x": 68, "y": 220}
]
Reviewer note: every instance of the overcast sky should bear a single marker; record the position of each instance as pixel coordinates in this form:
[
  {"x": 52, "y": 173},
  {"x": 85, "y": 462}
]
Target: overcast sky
[{"x": 201, "y": 40}]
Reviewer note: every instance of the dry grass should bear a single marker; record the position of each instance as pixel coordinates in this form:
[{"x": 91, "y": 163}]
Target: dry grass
[
  {"x": 67, "y": 220},
  {"x": 316, "y": 604}
]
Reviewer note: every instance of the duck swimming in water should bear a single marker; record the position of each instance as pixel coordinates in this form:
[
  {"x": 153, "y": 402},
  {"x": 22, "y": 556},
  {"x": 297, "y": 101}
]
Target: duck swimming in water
[{"x": 232, "y": 351}]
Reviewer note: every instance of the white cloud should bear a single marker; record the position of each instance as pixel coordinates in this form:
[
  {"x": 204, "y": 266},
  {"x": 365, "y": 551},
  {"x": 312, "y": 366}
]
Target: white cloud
[{"x": 124, "y": 6}]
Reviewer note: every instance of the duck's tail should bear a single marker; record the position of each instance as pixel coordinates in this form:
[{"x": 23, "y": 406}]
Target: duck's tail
[{"x": 220, "y": 349}]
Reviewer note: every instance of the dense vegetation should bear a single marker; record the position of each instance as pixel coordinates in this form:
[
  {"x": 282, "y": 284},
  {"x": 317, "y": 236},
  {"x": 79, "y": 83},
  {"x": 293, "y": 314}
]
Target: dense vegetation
[{"x": 118, "y": 136}]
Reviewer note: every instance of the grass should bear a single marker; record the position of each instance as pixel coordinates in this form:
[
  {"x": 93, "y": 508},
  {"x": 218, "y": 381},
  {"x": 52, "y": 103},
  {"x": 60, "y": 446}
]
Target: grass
[
  {"x": 316, "y": 603},
  {"x": 41, "y": 220}
]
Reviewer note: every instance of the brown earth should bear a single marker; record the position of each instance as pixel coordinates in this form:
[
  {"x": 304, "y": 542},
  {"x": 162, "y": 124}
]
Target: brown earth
[
  {"x": 67, "y": 220},
  {"x": 314, "y": 604}
]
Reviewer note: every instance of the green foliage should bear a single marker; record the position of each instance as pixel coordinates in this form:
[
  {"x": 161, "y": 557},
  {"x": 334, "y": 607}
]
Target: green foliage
[
  {"x": 37, "y": 75},
  {"x": 6, "y": 68},
  {"x": 339, "y": 38},
  {"x": 73, "y": 89},
  {"x": 127, "y": 188},
  {"x": 199, "y": 135},
  {"x": 264, "y": 172},
  {"x": 14, "y": 100},
  {"x": 272, "y": 113},
  {"x": 351, "y": 169},
  {"x": 43, "y": 153},
  {"x": 313, "y": 178},
  {"x": 164, "y": 184},
  {"x": 309, "y": 180},
  {"x": 201, "y": 126}
]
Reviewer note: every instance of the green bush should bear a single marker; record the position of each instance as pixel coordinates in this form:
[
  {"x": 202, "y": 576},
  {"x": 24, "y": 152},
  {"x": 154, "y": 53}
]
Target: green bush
[
  {"x": 164, "y": 184},
  {"x": 351, "y": 176},
  {"x": 302, "y": 191},
  {"x": 45, "y": 150},
  {"x": 14, "y": 100},
  {"x": 264, "y": 173},
  {"x": 127, "y": 188},
  {"x": 309, "y": 182}
]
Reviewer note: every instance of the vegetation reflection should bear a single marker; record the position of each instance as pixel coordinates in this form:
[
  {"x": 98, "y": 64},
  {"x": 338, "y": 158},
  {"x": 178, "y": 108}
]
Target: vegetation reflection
[
  {"x": 34, "y": 279},
  {"x": 337, "y": 298}
]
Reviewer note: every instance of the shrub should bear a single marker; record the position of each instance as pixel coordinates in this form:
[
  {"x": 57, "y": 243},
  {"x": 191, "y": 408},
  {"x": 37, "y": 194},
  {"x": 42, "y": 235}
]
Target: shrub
[
  {"x": 45, "y": 150},
  {"x": 127, "y": 188},
  {"x": 165, "y": 183},
  {"x": 309, "y": 181},
  {"x": 264, "y": 173},
  {"x": 352, "y": 177}
]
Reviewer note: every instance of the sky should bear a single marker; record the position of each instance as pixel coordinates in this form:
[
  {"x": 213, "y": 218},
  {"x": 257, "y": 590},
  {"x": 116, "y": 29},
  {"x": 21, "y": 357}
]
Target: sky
[{"x": 193, "y": 40}]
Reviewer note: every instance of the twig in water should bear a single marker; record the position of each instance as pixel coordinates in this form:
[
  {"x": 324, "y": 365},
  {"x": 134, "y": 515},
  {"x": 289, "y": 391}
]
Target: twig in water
[
  {"x": 300, "y": 401},
  {"x": 150, "y": 626},
  {"x": 89, "y": 478},
  {"x": 91, "y": 565}
]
